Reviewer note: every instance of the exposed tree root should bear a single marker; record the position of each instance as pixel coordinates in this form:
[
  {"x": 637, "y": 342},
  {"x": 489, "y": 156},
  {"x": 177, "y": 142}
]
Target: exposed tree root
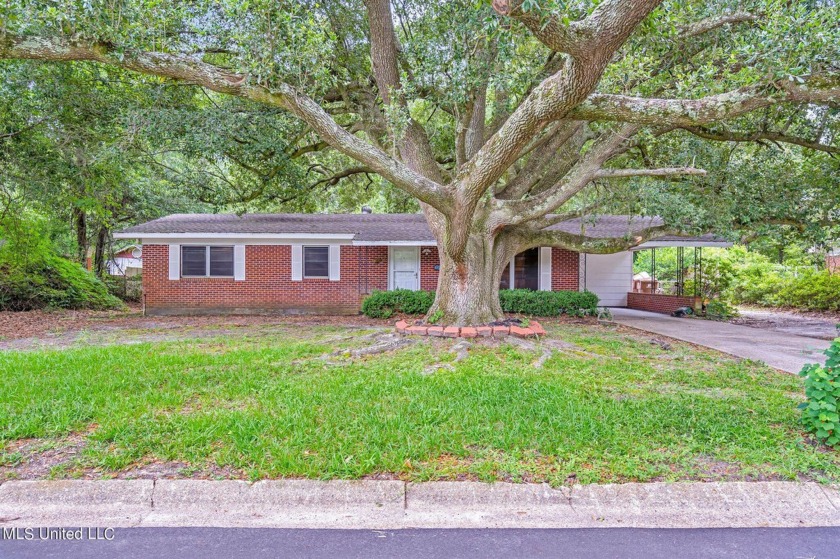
[
  {"x": 432, "y": 369},
  {"x": 461, "y": 350},
  {"x": 384, "y": 343}
]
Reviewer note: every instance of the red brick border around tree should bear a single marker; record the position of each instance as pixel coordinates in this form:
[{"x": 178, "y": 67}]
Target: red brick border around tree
[{"x": 533, "y": 330}]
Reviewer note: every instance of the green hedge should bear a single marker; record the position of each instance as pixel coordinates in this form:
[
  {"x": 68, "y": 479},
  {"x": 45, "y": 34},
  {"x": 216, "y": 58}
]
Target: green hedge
[
  {"x": 384, "y": 304},
  {"x": 549, "y": 303}
]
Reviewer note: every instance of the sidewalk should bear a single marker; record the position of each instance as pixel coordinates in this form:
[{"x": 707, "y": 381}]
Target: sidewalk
[
  {"x": 784, "y": 351},
  {"x": 395, "y": 504}
]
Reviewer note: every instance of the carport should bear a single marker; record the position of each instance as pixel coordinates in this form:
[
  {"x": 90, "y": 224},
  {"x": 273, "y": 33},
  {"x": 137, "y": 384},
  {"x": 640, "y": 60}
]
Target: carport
[{"x": 651, "y": 293}]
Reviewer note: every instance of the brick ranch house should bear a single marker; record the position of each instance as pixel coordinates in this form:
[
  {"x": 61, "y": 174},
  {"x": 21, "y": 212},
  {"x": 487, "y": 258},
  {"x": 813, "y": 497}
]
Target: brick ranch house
[{"x": 327, "y": 264}]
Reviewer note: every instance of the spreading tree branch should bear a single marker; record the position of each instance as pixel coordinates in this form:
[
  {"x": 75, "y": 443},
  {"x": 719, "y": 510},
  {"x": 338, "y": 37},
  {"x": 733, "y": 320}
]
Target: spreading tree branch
[
  {"x": 595, "y": 245},
  {"x": 414, "y": 146},
  {"x": 662, "y": 172},
  {"x": 712, "y": 23},
  {"x": 611, "y": 23},
  {"x": 186, "y": 69},
  {"x": 569, "y": 37},
  {"x": 517, "y": 212},
  {"x": 776, "y": 137},
  {"x": 713, "y": 108}
]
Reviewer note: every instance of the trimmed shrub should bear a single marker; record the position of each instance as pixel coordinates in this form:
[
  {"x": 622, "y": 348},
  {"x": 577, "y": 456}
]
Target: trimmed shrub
[
  {"x": 821, "y": 409},
  {"x": 383, "y": 304},
  {"x": 549, "y": 303}
]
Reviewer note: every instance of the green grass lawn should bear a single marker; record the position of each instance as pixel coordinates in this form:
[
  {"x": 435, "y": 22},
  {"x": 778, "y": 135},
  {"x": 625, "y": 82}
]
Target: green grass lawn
[{"x": 263, "y": 406}]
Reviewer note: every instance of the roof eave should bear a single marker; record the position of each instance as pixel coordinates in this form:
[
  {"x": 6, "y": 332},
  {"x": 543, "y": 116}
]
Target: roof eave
[
  {"x": 198, "y": 235},
  {"x": 690, "y": 243}
]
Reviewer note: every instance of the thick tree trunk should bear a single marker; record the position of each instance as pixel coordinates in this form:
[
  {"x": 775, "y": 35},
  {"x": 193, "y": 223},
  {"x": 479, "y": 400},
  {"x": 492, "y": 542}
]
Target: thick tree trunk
[
  {"x": 80, "y": 225},
  {"x": 468, "y": 287},
  {"x": 99, "y": 252}
]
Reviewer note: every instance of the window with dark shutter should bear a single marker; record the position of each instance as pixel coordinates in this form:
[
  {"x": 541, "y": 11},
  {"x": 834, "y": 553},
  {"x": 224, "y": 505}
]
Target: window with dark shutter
[{"x": 316, "y": 262}]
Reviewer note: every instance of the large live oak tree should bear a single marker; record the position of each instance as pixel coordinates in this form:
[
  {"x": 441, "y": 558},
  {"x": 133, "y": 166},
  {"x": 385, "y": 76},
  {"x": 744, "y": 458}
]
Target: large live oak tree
[{"x": 498, "y": 120}]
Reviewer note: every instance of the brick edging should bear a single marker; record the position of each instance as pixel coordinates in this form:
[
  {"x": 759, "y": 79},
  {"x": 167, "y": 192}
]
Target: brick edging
[{"x": 533, "y": 330}]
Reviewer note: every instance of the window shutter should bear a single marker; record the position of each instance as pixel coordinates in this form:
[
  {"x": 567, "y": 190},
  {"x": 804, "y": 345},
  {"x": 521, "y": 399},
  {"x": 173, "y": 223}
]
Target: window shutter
[
  {"x": 174, "y": 262},
  {"x": 297, "y": 262},
  {"x": 239, "y": 262},
  {"x": 335, "y": 262},
  {"x": 545, "y": 268}
]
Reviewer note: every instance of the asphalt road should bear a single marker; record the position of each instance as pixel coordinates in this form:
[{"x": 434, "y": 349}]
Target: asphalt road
[{"x": 624, "y": 543}]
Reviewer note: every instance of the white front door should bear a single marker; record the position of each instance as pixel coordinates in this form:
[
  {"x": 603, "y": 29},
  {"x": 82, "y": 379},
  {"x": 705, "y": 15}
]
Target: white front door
[{"x": 405, "y": 268}]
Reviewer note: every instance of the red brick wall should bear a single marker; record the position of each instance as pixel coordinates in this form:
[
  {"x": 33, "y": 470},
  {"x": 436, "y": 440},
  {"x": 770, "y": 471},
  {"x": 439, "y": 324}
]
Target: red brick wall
[
  {"x": 833, "y": 264},
  {"x": 268, "y": 285},
  {"x": 428, "y": 275},
  {"x": 564, "y": 269},
  {"x": 565, "y": 272},
  {"x": 656, "y": 302}
]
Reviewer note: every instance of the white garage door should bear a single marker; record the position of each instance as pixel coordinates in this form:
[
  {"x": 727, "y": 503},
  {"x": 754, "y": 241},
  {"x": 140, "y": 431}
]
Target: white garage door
[{"x": 609, "y": 276}]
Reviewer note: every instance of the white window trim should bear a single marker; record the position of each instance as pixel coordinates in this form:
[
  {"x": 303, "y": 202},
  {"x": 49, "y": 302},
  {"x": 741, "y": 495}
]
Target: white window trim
[
  {"x": 512, "y": 271},
  {"x": 303, "y": 261},
  {"x": 544, "y": 267},
  {"x": 207, "y": 261}
]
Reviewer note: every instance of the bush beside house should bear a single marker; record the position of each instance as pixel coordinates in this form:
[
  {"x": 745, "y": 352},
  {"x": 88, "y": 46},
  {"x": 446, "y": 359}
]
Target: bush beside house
[
  {"x": 34, "y": 276},
  {"x": 739, "y": 276},
  {"x": 384, "y": 304}
]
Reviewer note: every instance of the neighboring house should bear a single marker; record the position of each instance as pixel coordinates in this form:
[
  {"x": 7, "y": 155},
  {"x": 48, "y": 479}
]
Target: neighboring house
[
  {"x": 832, "y": 260},
  {"x": 127, "y": 261},
  {"x": 319, "y": 263}
]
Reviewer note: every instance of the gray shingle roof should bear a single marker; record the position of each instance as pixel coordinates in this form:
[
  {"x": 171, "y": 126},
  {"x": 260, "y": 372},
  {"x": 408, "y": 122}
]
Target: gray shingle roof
[{"x": 367, "y": 227}]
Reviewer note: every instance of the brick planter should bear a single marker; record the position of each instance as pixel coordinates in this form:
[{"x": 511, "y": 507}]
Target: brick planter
[
  {"x": 533, "y": 330},
  {"x": 657, "y": 302}
]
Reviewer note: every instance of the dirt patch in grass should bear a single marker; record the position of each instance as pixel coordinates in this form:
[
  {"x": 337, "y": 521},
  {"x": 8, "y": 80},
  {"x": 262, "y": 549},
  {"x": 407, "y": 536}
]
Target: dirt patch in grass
[
  {"x": 157, "y": 469},
  {"x": 40, "y": 459},
  {"x": 61, "y": 328},
  {"x": 819, "y": 325},
  {"x": 65, "y": 328}
]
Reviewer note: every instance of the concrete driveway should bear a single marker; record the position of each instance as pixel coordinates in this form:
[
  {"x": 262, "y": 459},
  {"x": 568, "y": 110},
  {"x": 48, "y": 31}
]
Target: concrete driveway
[{"x": 786, "y": 352}]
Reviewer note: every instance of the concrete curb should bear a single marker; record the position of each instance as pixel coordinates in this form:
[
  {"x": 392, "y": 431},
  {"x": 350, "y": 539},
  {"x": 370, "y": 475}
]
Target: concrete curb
[{"x": 394, "y": 504}]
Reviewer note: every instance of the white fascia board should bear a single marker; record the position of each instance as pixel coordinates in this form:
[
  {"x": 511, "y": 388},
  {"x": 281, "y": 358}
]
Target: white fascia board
[
  {"x": 272, "y": 236},
  {"x": 396, "y": 243},
  {"x": 663, "y": 244}
]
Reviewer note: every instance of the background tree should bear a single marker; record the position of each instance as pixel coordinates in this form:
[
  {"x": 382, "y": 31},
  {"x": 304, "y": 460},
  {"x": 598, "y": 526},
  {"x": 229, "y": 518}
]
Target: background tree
[{"x": 500, "y": 123}]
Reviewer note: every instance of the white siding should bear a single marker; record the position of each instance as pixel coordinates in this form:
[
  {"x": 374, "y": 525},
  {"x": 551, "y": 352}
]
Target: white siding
[
  {"x": 124, "y": 266},
  {"x": 609, "y": 276}
]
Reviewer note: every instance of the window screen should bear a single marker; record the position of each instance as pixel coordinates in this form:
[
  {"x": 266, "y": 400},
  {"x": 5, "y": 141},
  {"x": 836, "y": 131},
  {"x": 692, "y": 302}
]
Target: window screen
[
  {"x": 206, "y": 260},
  {"x": 193, "y": 261},
  {"x": 221, "y": 261},
  {"x": 316, "y": 262}
]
